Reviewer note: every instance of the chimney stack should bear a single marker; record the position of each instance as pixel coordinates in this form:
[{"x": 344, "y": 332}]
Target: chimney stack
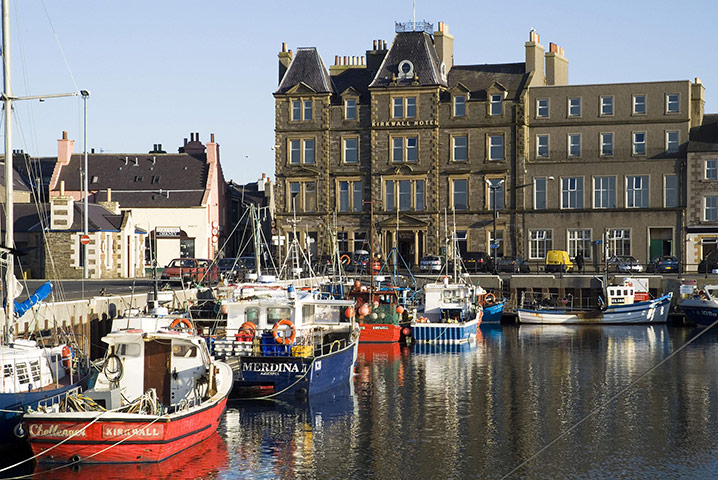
[
  {"x": 444, "y": 43},
  {"x": 285, "y": 58},
  {"x": 556, "y": 65},
  {"x": 535, "y": 59}
]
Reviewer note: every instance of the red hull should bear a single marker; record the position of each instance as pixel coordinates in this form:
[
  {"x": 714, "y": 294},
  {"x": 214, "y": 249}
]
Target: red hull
[
  {"x": 379, "y": 333},
  {"x": 98, "y": 443}
]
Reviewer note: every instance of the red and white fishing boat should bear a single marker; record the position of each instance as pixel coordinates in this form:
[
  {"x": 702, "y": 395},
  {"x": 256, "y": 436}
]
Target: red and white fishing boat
[{"x": 158, "y": 394}]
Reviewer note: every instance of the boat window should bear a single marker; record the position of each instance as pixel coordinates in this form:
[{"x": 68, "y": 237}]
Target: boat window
[
  {"x": 451, "y": 295},
  {"x": 307, "y": 314},
  {"x": 127, "y": 349},
  {"x": 330, "y": 314},
  {"x": 22, "y": 374},
  {"x": 275, "y": 314},
  {"x": 35, "y": 370},
  {"x": 8, "y": 371},
  {"x": 185, "y": 350},
  {"x": 252, "y": 315}
]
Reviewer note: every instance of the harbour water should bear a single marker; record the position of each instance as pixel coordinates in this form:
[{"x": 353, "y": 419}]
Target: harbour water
[{"x": 528, "y": 402}]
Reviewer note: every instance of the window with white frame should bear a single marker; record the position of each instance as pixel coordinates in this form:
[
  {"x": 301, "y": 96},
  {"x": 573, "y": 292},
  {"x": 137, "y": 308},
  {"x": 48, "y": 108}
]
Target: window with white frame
[
  {"x": 540, "y": 242},
  {"x": 711, "y": 169},
  {"x": 673, "y": 103},
  {"x": 639, "y": 143},
  {"x": 460, "y": 194},
  {"x": 296, "y": 110},
  {"x": 540, "y": 193},
  {"x": 637, "y": 191},
  {"x": 542, "y": 149},
  {"x": 670, "y": 191},
  {"x": 307, "y": 110},
  {"x": 672, "y": 138},
  {"x": 574, "y": 107},
  {"x": 404, "y": 107},
  {"x": 405, "y": 149},
  {"x": 711, "y": 208},
  {"x": 459, "y": 105},
  {"x": 604, "y": 192},
  {"x": 496, "y": 104},
  {"x": 351, "y": 195},
  {"x": 619, "y": 241},
  {"x": 607, "y": 144},
  {"x": 542, "y": 108},
  {"x": 496, "y": 147},
  {"x": 607, "y": 105},
  {"x": 405, "y": 193},
  {"x": 301, "y": 151},
  {"x": 460, "y": 146},
  {"x": 350, "y": 109},
  {"x": 351, "y": 149},
  {"x": 572, "y": 192},
  {"x": 496, "y": 193},
  {"x": 574, "y": 144},
  {"x": 639, "y": 104},
  {"x": 579, "y": 241}
]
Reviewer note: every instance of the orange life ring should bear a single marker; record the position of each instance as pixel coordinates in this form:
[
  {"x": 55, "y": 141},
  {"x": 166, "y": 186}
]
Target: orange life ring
[
  {"x": 248, "y": 327},
  {"x": 345, "y": 259},
  {"x": 490, "y": 298},
  {"x": 185, "y": 322},
  {"x": 284, "y": 339},
  {"x": 66, "y": 357}
]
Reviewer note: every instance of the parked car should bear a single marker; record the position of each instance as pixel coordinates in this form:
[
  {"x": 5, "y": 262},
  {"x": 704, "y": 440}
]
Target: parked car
[
  {"x": 478, "y": 262},
  {"x": 188, "y": 270},
  {"x": 430, "y": 263},
  {"x": 512, "y": 264},
  {"x": 558, "y": 261},
  {"x": 663, "y": 264},
  {"x": 229, "y": 267},
  {"x": 624, "y": 264},
  {"x": 710, "y": 263}
]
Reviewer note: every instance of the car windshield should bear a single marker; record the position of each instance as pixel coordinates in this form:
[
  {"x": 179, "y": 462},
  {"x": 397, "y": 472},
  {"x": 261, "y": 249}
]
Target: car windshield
[{"x": 226, "y": 262}]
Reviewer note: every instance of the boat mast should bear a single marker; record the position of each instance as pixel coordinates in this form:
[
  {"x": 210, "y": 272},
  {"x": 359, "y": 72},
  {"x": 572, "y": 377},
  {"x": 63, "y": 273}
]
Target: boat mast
[
  {"x": 9, "y": 177},
  {"x": 257, "y": 240}
]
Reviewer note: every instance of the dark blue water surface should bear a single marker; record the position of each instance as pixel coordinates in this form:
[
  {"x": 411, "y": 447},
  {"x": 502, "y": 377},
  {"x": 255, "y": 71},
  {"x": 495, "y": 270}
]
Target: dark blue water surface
[{"x": 528, "y": 402}]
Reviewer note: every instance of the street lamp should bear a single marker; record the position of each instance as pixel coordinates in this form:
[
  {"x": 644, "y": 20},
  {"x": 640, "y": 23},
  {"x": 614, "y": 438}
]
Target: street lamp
[
  {"x": 494, "y": 186},
  {"x": 85, "y": 95}
]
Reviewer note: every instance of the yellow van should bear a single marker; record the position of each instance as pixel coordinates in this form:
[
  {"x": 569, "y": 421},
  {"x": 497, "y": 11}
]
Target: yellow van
[{"x": 558, "y": 261}]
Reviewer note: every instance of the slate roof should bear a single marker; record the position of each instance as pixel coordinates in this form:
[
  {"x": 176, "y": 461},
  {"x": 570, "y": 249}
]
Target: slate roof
[
  {"x": 18, "y": 185},
  {"x": 704, "y": 138},
  {"x": 478, "y": 78},
  {"x": 307, "y": 67},
  {"x": 27, "y": 218},
  {"x": 147, "y": 180},
  {"x": 418, "y": 48},
  {"x": 358, "y": 78}
]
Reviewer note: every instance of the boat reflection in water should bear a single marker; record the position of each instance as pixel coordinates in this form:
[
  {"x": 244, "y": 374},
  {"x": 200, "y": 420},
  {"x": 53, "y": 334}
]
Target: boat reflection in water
[
  {"x": 283, "y": 438},
  {"x": 206, "y": 459}
]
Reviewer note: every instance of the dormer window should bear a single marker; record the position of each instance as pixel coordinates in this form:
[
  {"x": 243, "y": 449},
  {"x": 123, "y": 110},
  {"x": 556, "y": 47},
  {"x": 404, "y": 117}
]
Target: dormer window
[
  {"x": 350, "y": 109},
  {"x": 404, "y": 107},
  {"x": 138, "y": 178},
  {"x": 459, "y": 105},
  {"x": 301, "y": 110},
  {"x": 94, "y": 179},
  {"x": 496, "y": 108},
  {"x": 406, "y": 70}
]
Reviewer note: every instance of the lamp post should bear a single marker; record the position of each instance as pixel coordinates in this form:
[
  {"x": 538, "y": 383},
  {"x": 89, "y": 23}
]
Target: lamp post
[
  {"x": 494, "y": 186},
  {"x": 85, "y": 95}
]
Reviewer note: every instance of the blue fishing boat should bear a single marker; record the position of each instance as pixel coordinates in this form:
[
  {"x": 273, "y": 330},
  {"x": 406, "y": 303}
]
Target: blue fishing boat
[
  {"x": 451, "y": 313},
  {"x": 702, "y": 306},
  {"x": 493, "y": 311}
]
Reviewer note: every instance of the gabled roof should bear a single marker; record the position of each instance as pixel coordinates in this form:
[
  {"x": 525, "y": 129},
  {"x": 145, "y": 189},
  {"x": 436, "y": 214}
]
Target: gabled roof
[
  {"x": 704, "y": 138},
  {"x": 18, "y": 183},
  {"x": 307, "y": 67},
  {"x": 28, "y": 215},
  {"x": 147, "y": 180},
  {"x": 418, "y": 48},
  {"x": 357, "y": 79},
  {"x": 479, "y": 78}
]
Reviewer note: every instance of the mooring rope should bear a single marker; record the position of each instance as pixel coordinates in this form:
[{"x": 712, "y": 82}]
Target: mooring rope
[{"x": 605, "y": 404}]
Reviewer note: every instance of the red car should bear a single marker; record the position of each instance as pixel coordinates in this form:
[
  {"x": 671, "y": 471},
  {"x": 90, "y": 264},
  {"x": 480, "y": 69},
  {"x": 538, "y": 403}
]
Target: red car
[{"x": 191, "y": 270}]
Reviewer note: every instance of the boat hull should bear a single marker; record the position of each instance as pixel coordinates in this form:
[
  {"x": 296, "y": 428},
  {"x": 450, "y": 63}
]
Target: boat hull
[
  {"x": 700, "y": 312},
  {"x": 493, "y": 312},
  {"x": 379, "y": 333},
  {"x": 293, "y": 376},
  {"x": 652, "y": 311},
  {"x": 117, "y": 437},
  {"x": 444, "y": 332}
]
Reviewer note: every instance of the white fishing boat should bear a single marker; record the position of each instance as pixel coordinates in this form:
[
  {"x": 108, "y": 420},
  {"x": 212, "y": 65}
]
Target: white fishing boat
[
  {"x": 622, "y": 308},
  {"x": 702, "y": 306}
]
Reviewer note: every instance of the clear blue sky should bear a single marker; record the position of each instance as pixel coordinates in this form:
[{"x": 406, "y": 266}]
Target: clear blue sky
[{"x": 158, "y": 70}]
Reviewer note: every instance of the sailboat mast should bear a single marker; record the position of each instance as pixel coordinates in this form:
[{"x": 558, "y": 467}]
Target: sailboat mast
[
  {"x": 257, "y": 241},
  {"x": 9, "y": 177}
]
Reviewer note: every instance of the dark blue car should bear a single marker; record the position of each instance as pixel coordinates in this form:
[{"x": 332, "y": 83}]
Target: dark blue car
[{"x": 663, "y": 264}]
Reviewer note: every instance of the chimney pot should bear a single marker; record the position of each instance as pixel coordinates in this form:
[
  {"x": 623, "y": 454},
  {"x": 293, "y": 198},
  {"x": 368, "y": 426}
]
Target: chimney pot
[
  {"x": 109, "y": 194},
  {"x": 336, "y": 59},
  {"x": 64, "y": 135},
  {"x": 374, "y": 44},
  {"x": 211, "y": 137},
  {"x": 384, "y": 45},
  {"x": 196, "y": 136},
  {"x": 185, "y": 141},
  {"x": 284, "y": 46}
]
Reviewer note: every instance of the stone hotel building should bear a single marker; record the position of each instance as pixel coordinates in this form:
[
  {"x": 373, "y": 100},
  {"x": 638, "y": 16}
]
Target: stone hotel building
[{"x": 402, "y": 142}]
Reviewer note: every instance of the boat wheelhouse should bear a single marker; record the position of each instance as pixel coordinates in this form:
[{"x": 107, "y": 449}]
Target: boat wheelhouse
[{"x": 451, "y": 313}]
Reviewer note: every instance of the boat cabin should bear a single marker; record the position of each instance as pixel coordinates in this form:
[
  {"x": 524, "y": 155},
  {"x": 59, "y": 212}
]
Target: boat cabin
[
  {"x": 445, "y": 302},
  {"x": 27, "y": 368}
]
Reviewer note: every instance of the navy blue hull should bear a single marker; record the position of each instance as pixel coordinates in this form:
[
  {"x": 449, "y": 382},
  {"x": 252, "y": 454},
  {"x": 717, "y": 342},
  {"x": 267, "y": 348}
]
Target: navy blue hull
[
  {"x": 257, "y": 376},
  {"x": 13, "y": 405},
  {"x": 701, "y": 315}
]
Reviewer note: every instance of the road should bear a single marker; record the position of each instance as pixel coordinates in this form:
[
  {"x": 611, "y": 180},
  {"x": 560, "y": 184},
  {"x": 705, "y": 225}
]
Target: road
[{"x": 79, "y": 289}]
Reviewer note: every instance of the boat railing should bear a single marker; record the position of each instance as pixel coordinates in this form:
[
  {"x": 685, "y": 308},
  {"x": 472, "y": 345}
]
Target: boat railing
[{"x": 58, "y": 399}]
